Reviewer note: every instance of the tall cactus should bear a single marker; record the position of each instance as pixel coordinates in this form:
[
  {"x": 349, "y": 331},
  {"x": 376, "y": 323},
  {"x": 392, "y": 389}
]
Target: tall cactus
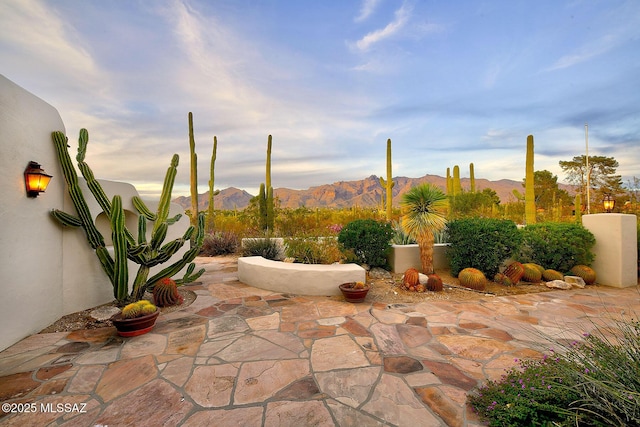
[
  {"x": 212, "y": 192},
  {"x": 449, "y": 183},
  {"x": 265, "y": 197},
  {"x": 577, "y": 206},
  {"x": 194, "y": 173},
  {"x": 146, "y": 254},
  {"x": 529, "y": 193},
  {"x": 457, "y": 186},
  {"x": 472, "y": 179},
  {"x": 388, "y": 184}
]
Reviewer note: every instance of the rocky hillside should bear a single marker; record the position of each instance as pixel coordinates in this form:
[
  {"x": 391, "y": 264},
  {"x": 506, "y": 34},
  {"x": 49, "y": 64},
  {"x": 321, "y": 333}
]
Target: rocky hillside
[{"x": 365, "y": 192}]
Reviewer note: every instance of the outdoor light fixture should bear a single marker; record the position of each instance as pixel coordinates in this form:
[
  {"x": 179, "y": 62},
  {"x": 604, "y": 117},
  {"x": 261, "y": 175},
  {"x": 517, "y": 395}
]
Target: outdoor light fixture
[
  {"x": 609, "y": 202},
  {"x": 35, "y": 180}
]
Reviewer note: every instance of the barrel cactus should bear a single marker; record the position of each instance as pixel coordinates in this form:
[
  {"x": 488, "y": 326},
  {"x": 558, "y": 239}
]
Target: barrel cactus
[
  {"x": 411, "y": 278},
  {"x": 472, "y": 278},
  {"x": 434, "y": 283},
  {"x": 531, "y": 273},
  {"x": 138, "y": 309},
  {"x": 165, "y": 293},
  {"x": 514, "y": 272},
  {"x": 502, "y": 279},
  {"x": 588, "y": 274},
  {"x": 550, "y": 275}
]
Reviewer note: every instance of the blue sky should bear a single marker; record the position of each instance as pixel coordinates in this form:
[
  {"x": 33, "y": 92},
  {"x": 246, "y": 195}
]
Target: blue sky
[{"x": 450, "y": 82}]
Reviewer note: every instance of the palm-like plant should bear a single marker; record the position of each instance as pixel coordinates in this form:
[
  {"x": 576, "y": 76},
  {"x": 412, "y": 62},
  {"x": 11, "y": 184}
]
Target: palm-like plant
[{"x": 423, "y": 210}]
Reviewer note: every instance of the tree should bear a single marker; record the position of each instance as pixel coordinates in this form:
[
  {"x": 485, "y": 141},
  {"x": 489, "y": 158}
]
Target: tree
[
  {"x": 547, "y": 191},
  {"x": 424, "y": 208},
  {"x": 602, "y": 174}
]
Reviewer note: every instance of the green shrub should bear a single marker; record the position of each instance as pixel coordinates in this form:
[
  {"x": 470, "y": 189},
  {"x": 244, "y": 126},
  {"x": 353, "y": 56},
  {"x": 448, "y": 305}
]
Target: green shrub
[
  {"x": 558, "y": 246},
  {"x": 264, "y": 247},
  {"x": 481, "y": 243},
  {"x": 368, "y": 239},
  {"x": 314, "y": 250},
  {"x": 219, "y": 243}
]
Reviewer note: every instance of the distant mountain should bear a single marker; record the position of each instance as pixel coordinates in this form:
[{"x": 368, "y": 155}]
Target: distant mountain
[{"x": 365, "y": 192}]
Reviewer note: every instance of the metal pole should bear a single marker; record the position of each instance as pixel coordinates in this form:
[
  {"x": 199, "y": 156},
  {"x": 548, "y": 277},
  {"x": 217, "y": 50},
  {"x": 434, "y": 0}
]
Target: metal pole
[{"x": 586, "y": 137}]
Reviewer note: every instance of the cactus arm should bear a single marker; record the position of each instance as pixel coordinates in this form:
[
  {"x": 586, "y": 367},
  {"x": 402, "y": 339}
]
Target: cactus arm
[
  {"x": 142, "y": 208},
  {"x": 142, "y": 229},
  {"x": 188, "y": 276},
  {"x": 159, "y": 235},
  {"x": 457, "y": 187},
  {"x": 174, "y": 219},
  {"x": 105, "y": 260},
  {"x": 472, "y": 178},
  {"x": 94, "y": 237},
  {"x": 165, "y": 197},
  {"x": 65, "y": 219},
  {"x": 120, "y": 267},
  {"x": 138, "y": 290}
]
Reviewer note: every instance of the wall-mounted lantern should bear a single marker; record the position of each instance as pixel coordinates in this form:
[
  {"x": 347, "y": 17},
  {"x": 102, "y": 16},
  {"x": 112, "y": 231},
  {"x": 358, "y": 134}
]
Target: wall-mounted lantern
[
  {"x": 608, "y": 202},
  {"x": 35, "y": 180}
]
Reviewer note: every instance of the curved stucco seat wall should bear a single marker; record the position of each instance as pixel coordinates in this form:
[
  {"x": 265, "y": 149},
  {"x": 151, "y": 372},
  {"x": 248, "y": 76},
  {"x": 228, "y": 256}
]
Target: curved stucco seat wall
[{"x": 301, "y": 279}]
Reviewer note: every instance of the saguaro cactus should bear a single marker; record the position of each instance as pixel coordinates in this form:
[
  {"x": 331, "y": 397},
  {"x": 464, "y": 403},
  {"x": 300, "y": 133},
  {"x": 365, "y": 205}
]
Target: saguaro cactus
[
  {"x": 472, "y": 179},
  {"x": 265, "y": 197},
  {"x": 388, "y": 184},
  {"x": 529, "y": 194},
  {"x": 457, "y": 187},
  {"x": 212, "y": 192},
  {"x": 146, "y": 254},
  {"x": 194, "y": 173},
  {"x": 449, "y": 183},
  {"x": 577, "y": 206}
]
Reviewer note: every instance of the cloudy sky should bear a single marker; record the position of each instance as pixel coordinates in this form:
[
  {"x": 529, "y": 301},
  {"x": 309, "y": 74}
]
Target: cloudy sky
[{"x": 449, "y": 82}]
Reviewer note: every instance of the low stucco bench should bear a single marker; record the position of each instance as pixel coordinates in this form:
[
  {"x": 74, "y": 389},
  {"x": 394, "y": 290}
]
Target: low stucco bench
[{"x": 294, "y": 278}]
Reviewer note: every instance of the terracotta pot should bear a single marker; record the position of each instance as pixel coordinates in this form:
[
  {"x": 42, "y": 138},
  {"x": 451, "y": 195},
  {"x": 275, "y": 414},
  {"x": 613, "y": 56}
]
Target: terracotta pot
[
  {"x": 136, "y": 326},
  {"x": 353, "y": 295}
]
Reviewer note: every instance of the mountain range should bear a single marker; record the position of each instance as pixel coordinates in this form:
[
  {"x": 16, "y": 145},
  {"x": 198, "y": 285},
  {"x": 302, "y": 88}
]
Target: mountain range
[{"x": 364, "y": 192}]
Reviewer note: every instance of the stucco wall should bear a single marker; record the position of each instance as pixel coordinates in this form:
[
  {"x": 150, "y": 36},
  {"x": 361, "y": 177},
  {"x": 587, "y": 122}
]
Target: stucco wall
[
  {"x": 47, "y": 271},
  {"x": 30, "y": 243}
]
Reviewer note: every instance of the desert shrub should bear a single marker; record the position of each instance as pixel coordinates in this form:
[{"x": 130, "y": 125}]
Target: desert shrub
[
  {"x": 399, "y": 236},
  {"x": 481, "y": 243},
  {"x": 368, "y": 239},
  {"x": 219, "y": 243},
  {"x": 313, "y": 250},
  {"x": 593, "y": 383},
  {"x": 558, "y": 246},
  {"x": 266, "y": 248}
]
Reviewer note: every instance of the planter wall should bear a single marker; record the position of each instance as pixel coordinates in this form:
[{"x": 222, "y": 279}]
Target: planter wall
[
  {"x": 301, "y": 279},
  {"x": 402, "y": 257}
]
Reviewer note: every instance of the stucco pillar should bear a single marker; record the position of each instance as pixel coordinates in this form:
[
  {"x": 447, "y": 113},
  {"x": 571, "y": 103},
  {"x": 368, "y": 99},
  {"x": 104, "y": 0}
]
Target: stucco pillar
[{"x": 616, "y": 248}]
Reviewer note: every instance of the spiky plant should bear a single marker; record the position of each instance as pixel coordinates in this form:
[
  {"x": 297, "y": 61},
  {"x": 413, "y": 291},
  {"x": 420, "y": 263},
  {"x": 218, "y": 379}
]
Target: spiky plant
[
  {"x": 138, "y": 309},
  {"x": 514, "y": 272},
  {"x": 502, "y": 279},
  {"x": 434, "y": 283},
  {"x": 587, "y": 273},
  {"x": 424, "y": 208},
  {"x": 531, "y": 273},
  {"x": 550, "y": 275},
  {"x": 165, "y": 293},
  {"x": 411, "y": 277},
  {"x": 472, "y": 278}
]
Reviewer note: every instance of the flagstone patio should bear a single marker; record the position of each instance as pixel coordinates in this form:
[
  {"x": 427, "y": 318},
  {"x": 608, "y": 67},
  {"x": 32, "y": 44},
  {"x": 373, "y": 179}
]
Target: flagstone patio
[{"x": 244, "y": 356}]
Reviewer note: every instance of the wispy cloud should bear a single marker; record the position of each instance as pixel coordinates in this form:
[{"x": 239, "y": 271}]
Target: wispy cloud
[
  {"x": 585, "y": 53},
  {"x": 367, "y": 8},
  {"x": 401, "y": 17}
]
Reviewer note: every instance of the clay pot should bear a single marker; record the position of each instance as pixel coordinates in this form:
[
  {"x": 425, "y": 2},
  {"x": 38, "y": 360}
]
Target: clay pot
[
  {"x": 136, "y": 326},
  {"x": 353, "y": 295}
]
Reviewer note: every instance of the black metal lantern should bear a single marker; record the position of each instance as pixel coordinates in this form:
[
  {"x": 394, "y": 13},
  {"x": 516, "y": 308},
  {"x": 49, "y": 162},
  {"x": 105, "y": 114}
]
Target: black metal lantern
[{"x": 35, "y": 180}]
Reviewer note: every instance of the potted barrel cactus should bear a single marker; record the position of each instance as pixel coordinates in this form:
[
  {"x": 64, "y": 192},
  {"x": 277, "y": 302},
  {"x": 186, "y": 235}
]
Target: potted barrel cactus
[
  {"x": 354, "y": 291},
  {"x": 136, "y": 318}
]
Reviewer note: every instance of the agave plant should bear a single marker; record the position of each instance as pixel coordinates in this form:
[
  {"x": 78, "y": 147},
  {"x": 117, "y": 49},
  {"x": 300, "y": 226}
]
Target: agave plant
[{"x": 423, "y": 215}]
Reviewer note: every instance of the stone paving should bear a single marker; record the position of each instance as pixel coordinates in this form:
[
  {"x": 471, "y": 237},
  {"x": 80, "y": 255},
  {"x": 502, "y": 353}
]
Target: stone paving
[{"x": 242, "y": 356}]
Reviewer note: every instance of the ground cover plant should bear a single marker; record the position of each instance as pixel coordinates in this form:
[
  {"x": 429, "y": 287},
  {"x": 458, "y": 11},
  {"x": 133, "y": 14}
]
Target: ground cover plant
[
  {"x": 594, "y": 382},
  {"x": 314, "y": 250}
]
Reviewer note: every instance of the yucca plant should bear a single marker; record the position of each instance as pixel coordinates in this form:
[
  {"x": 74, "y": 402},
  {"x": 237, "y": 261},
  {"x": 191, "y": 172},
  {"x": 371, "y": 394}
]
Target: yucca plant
[{"x": 423, "y": 214}]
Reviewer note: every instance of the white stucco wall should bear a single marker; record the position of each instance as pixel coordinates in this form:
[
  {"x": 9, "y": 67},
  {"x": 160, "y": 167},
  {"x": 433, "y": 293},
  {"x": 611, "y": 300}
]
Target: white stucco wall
[
  {"x": 616, "y": 248},
  {"x": 47, "y": 271},
  {"x": 30, "y": 243}
]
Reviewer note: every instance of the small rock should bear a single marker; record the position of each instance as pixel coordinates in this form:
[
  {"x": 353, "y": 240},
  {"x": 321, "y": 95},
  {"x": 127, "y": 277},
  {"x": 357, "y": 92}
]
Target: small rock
[
  {"x": 558, "y": 284},
  {"x": 575, "y": 281},
  {"x": 379, "y": 273},
  {"x": 104, "y": 313},
  {"x": 423, "y": 278}
]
